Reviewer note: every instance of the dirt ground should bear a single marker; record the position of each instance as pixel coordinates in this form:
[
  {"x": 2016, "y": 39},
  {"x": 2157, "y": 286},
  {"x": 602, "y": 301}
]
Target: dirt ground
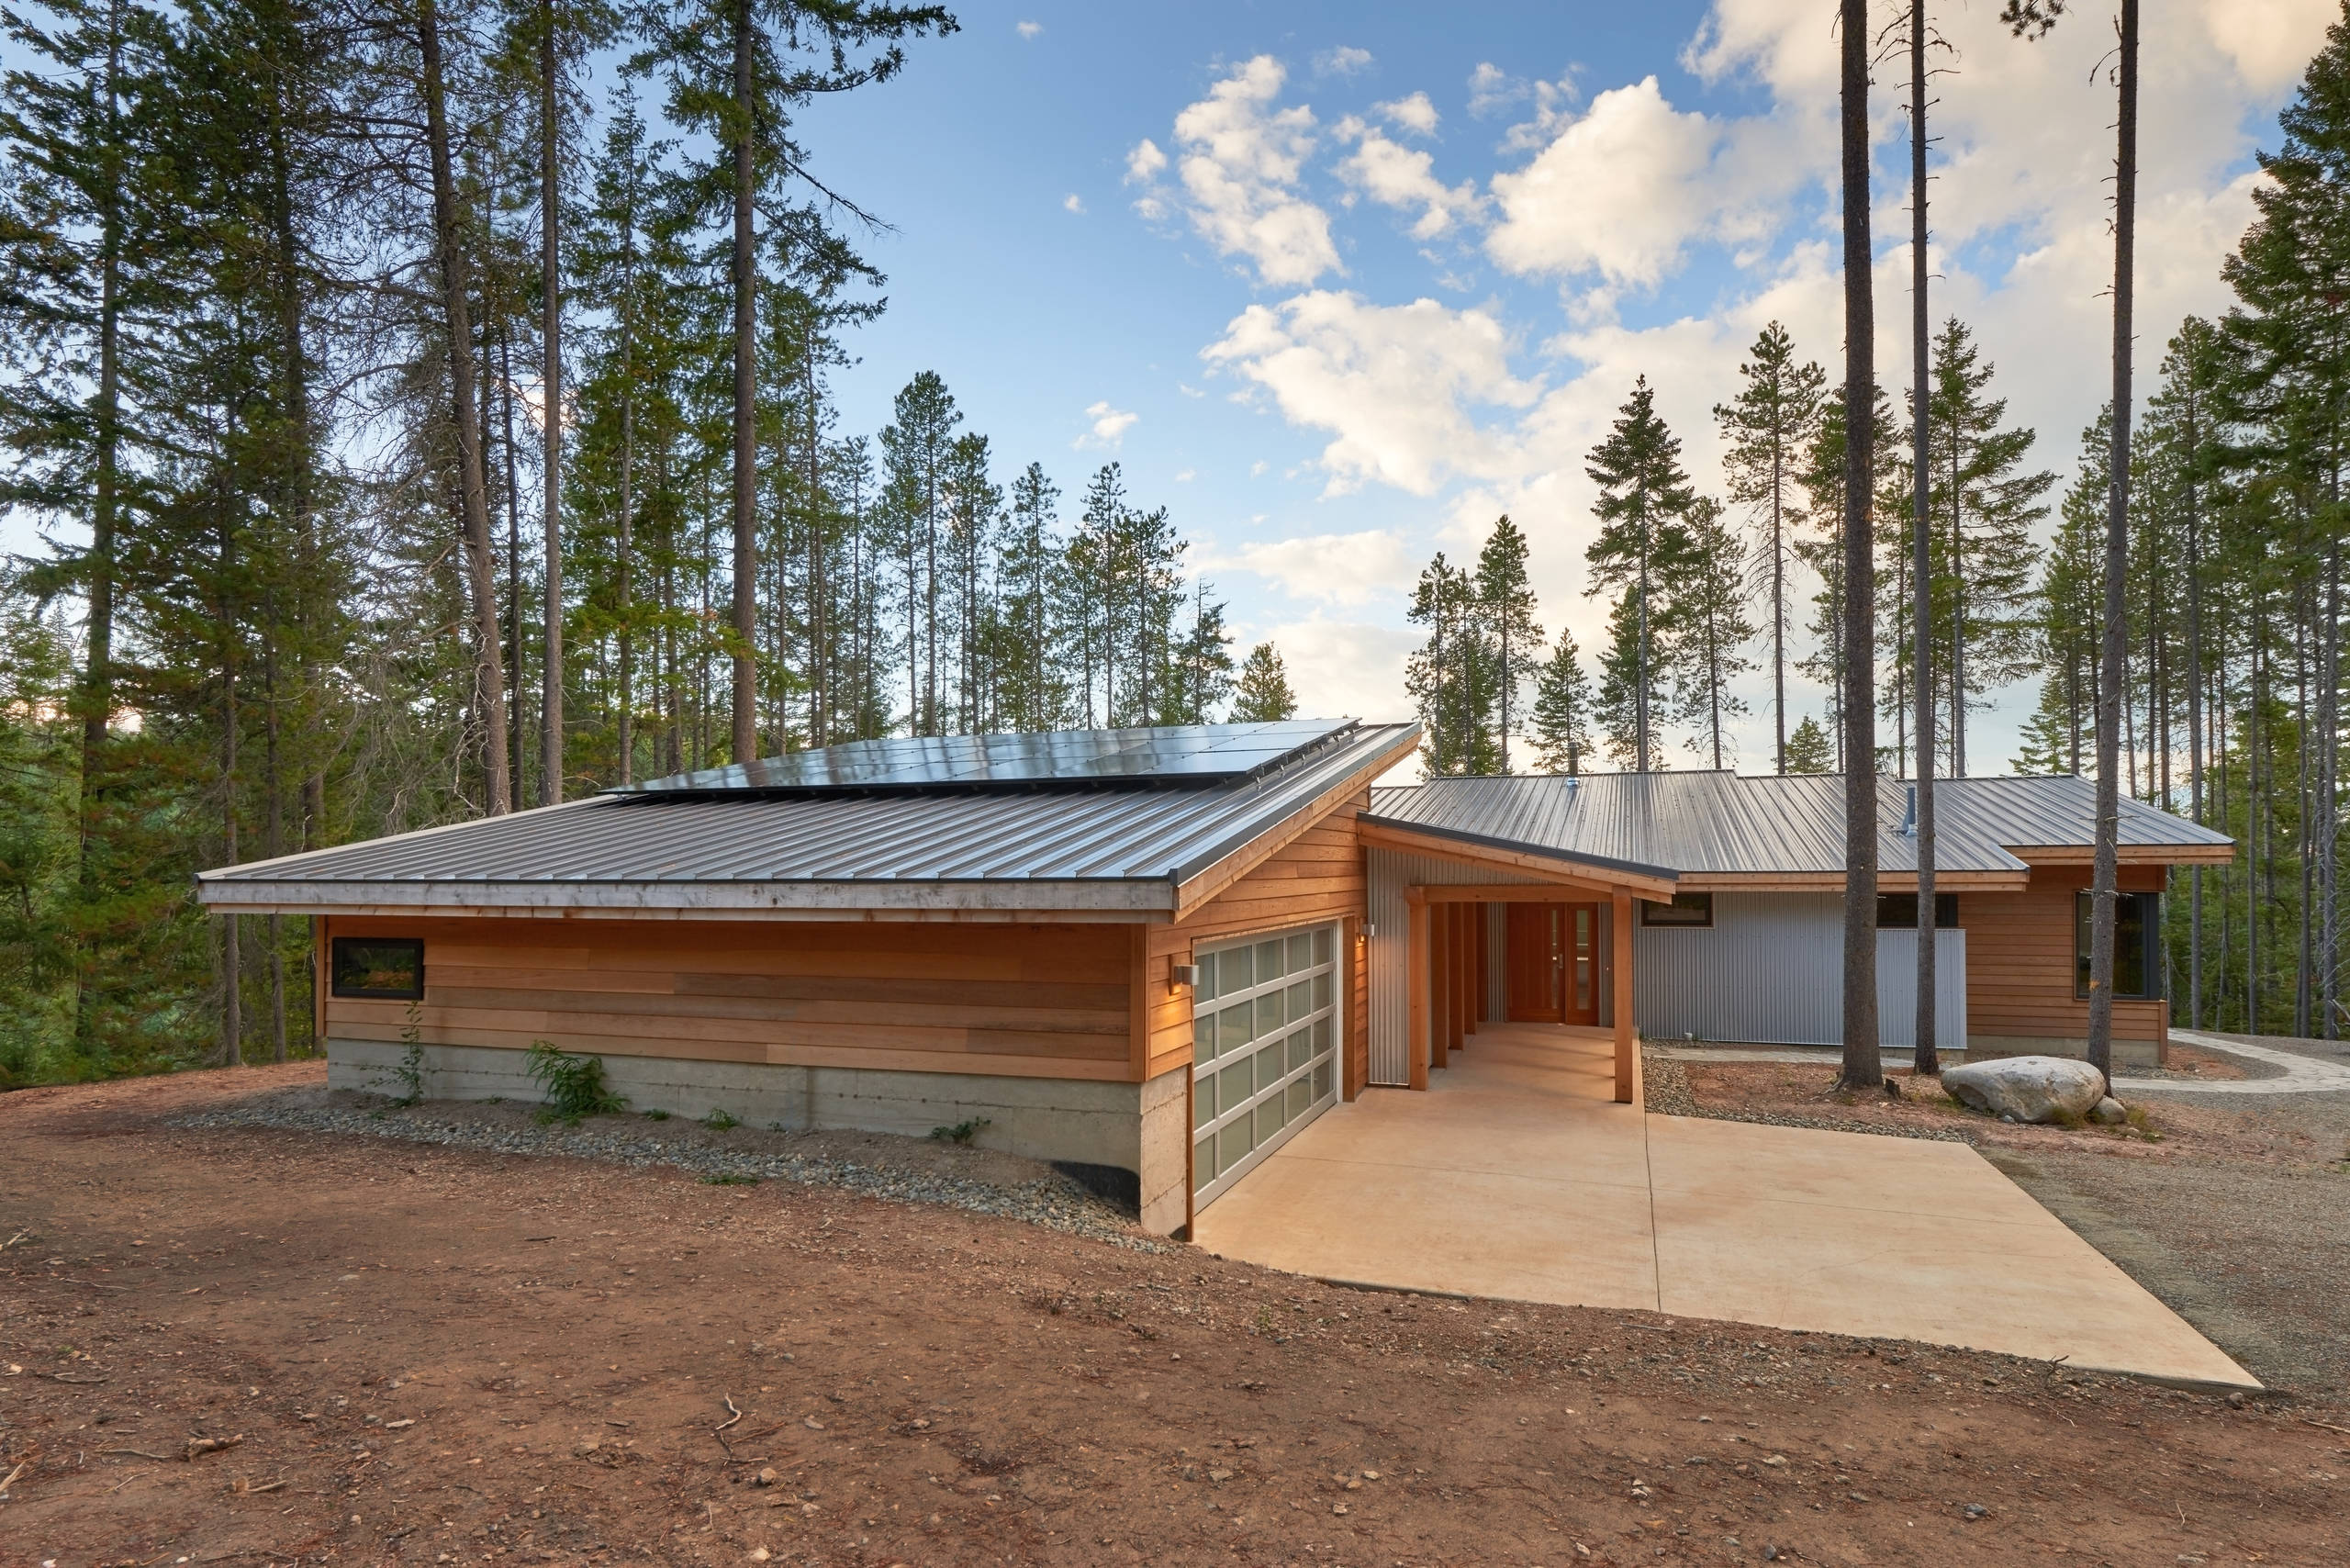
[
  {"x": 2234, "y": 1209},
  {"x": 381, "y": 1353}
]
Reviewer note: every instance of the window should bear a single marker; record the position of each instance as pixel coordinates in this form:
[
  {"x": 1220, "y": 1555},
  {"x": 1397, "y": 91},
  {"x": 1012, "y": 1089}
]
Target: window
[
  {"x": 2135, "y": 922},
  {"x": 380, "y": 969},
  {"x": 1686, "y": 909},
  {"x": 1898, "y": 912}
]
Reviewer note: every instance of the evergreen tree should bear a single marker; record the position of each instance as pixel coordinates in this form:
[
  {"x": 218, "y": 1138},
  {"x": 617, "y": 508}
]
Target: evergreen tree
[
  {"x": 1563, "y": 708},
  {"x": 1450, "y": 676},
  {"x": 1809, "y": 749},
  {"x": 1263, "y": 693},
  {"x": 1642, "y": 549},
  {"x": 1767, "y": 431},
  {"x": 1709, "y": 628},
  {"x": 1506, "y": 606},
  {"x": 1986, "y": 506}
]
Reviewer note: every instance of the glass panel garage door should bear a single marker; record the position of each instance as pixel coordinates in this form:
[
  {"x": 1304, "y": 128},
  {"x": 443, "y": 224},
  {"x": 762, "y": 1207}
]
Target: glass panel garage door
[{"x": 1264, "y": 1030}]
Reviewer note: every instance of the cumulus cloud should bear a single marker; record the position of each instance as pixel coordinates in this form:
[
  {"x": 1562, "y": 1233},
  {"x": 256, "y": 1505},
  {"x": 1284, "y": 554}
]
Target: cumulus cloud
[
  {"x": 1396, "y": 176},
  {"x": 1029, "y": 29},
  {"x": 1413, "y": 114},
  {"x": 1396, "y": 386},
  {"x": 1492, "y": 89},
  {"x": 1073, "y": 202},
  {"x": 1344, "y": 61},
  {"x": 1340, "y": 568},
  {"x": 1622, "y": 189},
  {"x": 1239, "y": 159},
  {"x": 1342, "y": 668},
  {"x": 1108, "y": 427}
]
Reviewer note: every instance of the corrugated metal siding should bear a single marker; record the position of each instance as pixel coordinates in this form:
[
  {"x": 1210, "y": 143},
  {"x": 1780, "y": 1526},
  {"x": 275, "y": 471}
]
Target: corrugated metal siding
[
  {"x": 1390, "y": 872},
  {"x": 1722, "y": 821},
  {"x": 1770, "y": 972}
]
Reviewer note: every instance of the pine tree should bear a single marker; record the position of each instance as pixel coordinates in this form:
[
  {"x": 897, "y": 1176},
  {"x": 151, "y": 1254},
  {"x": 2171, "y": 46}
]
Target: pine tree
[
  {"x": 1505, "y": 605},
  {"x": 1985, "y": 507},
  {"x": 1809, "y": 749},
  {"x": 1562, "y": 709},
  {"x": 1263, "y": 694},
  {"x": 1767, "y": 431},
  {"x": 1450, "y": 676},
  {"x": 1641, "y": 548},
  {"x": 1710, "y": 630}
]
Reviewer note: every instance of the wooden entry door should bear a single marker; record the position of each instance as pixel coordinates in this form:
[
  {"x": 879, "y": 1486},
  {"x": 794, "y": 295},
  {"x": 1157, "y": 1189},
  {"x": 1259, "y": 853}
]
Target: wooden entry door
[{"x": 1554, "y": 963}]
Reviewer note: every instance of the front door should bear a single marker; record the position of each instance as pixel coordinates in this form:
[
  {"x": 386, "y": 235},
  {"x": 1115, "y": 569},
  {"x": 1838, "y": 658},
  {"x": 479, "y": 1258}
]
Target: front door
[{"x": 1554, "y": 963}]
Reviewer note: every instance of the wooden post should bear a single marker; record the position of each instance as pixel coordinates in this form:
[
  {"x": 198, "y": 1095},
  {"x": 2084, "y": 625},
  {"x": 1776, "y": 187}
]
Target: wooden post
[
  {"x": 1439, "y": 986},
  {"x": 1416, "y": 981},
  {"x": 321, "y": 955},
  {"x": 1465, "y": 965},
  {"x": 1627, "y": 1040}
]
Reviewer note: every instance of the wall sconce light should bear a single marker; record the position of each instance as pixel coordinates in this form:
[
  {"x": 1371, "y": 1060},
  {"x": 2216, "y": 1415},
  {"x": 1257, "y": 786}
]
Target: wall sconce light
[
  {"x": 1369, "y": 931},
  {"x": 1182, "y": 975}
]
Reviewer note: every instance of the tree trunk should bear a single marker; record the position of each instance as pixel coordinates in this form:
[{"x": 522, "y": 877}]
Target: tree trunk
[
  {"x": 747, "y": 359},
  {"x": 481, "y": 570},
  {"x": 550, "y": 411},
  {"x": 1863, "y": 1067},
  {"x": 2194, "y": 698},
  {"x": 2103, "y": 893},
  {"x": 1927, "y": 1060}
]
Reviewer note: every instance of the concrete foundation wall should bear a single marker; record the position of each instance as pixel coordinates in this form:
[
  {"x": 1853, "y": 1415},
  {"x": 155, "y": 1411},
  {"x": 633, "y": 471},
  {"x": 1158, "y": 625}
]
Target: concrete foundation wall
[
  {"x": 2126, "y": 1053},
  {"x": 1139, "y": 1128}
]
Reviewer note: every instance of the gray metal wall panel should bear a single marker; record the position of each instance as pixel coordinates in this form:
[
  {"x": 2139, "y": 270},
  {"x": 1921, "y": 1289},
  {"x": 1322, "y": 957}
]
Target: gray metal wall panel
[
  {"x": 1770, "y": 972},
  {"x": 1390, "y": 872}
]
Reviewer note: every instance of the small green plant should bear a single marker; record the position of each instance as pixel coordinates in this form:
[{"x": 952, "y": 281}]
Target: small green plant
[
  {"x": 410, "y": 1071},
  {"x": 962, "y": 1132},
  {"x": 718, "y": 1121},
  {"x": 656, "y": 1116},
  {"x": 574, "y": 1084},
  {"x": 730, "y": 1179}
]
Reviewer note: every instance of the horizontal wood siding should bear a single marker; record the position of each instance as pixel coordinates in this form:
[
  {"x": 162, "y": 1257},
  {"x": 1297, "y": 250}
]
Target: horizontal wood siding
[
  {"x": 1315, "y": 877},
  {"x": 2019, "y": 964},
  {"x": 1027, "y": 1000}
]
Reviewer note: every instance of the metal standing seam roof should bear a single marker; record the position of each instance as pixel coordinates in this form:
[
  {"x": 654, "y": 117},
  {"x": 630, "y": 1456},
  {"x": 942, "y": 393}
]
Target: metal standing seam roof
[
  {"x": 1723, "y": 823},
  {"x": 1099, "y": 849}
]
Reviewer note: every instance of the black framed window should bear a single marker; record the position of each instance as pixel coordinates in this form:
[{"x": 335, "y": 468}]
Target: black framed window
[
  {"x": 1898, "y": 912},
  {"x": 1686, "y": 909},
  {"x": 2136, "y": 919},
  {"x": 379, "y": 968}
]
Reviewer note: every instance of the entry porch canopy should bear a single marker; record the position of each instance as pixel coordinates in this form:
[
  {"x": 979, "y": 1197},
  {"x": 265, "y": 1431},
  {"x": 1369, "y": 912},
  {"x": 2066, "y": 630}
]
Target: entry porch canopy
[{"x": 1445, "y": 952}]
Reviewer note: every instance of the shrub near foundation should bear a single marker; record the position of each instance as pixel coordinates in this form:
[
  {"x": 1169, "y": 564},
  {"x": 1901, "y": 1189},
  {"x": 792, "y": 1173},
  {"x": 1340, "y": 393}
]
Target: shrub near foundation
[{"x": 574, "y": 1084}]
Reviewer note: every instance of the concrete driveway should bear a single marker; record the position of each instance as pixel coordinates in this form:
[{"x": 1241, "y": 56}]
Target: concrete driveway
[{"x": 1515, "y": 1176}]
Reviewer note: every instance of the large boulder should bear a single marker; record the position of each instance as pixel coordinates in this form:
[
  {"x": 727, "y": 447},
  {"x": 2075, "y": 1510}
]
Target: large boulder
[{"x": 2029, "y": 1088}]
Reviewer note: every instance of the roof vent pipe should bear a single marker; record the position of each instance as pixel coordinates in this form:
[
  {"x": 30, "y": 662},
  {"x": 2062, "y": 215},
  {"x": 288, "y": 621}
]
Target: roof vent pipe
[{"x": 1909, "y": 818}]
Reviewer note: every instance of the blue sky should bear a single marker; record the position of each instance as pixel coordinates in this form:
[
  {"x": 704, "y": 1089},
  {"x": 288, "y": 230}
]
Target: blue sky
[{"x": 1340, "y": 284}]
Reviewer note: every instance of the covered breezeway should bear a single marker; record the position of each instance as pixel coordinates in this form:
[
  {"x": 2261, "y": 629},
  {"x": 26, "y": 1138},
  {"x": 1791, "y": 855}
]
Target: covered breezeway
[{"x": 1519, "y": 1175}]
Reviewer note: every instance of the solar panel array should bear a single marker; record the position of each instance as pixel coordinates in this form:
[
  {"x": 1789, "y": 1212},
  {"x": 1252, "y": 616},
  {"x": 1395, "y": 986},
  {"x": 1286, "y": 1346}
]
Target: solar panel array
[{"x": 1162, "y": 756}]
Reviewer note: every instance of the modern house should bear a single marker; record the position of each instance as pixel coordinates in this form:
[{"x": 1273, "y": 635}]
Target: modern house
[{"x": 1163, "y": 951}]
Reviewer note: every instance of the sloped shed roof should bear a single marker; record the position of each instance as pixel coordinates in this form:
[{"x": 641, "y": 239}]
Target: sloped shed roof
[
  {"x": 1725, "y": 824},
  {"x": 1096, "y": 849}
]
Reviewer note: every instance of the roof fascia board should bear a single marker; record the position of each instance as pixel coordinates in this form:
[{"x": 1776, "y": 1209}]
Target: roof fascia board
[
  {"x": 1126, "y": 898},
  {"x": 1503, "y": 892},
  {"x": 1833, "y": 881},
  {"x": 1193, "y": 891},
  {"x": 2128, "y": 854},
  {"x": 1387, "y": 833},
  {"x": 245, "y": 870}
]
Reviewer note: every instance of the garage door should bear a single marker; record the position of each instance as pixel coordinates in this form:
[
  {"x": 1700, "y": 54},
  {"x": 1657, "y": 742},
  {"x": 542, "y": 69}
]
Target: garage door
[{"x": 1264, "y": 1031}]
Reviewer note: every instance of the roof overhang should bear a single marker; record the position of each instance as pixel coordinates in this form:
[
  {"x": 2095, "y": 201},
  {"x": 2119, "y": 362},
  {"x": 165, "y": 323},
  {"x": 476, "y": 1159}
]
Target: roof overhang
[
  {"x": 2128, "y": 854},
  {"x": 1125, "y": 899},
  {"x": 1551, "y": 865},
  {"x": 2000, "y": 881},
  {"x": 1211, "y": 873}
]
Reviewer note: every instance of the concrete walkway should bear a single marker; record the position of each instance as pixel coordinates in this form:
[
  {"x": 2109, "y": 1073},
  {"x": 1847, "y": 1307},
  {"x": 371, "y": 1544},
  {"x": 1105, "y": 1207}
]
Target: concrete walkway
[
  {"x": 1515, "y": 1177},
  {"x": 2302, "y": 1075}
]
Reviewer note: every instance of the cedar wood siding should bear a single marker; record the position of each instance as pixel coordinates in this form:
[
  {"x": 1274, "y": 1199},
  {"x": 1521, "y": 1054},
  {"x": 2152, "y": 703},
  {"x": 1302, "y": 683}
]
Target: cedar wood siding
[
  {"x": 1316, "y": 877},
  {"x": 1022, "y": 1001},
  {"x": 2019, "y": 964}
]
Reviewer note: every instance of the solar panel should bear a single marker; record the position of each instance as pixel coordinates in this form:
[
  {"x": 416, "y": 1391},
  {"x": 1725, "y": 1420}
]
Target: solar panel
[{"x": 1163, "y": 756}]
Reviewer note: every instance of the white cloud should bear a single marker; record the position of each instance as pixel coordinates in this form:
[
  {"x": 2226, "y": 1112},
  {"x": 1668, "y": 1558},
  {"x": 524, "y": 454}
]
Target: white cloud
[
  {"x": 1185, "y": 475},
  {"x": 1239, "y": 159},
  {"x": 1340, "y": 568},
  {"x": 2269, "y": 41},
  {"x": 1073, "y": 203},
  {"x": 1344, "y": 61},
  {"x": 1029, "y": 29},
  {"x": 1399, "y": 176},
  {"x": 1492, "y": 89},
  {"x": 1413, "y": 114},
  {"x": 1109, "y": 428},
  {"x": 1350, "y": 669},
  {"x": 1620, "y": 190},
  {"x": 1394, "y": 385}
]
